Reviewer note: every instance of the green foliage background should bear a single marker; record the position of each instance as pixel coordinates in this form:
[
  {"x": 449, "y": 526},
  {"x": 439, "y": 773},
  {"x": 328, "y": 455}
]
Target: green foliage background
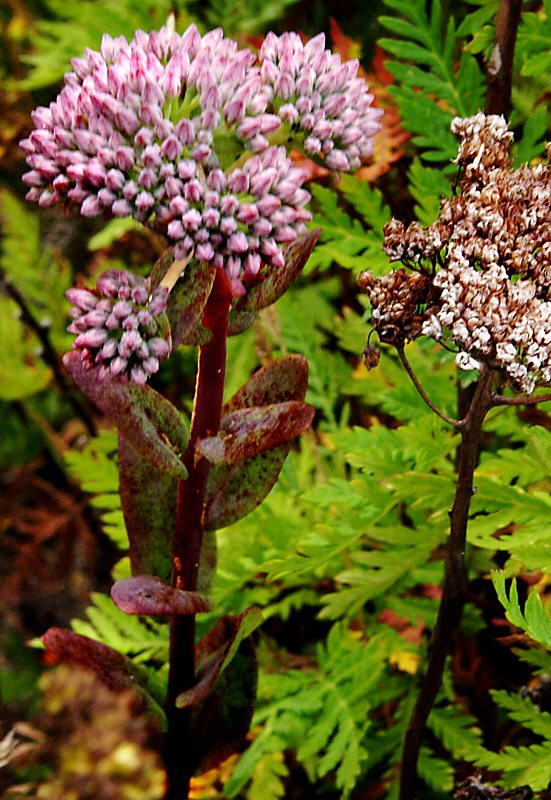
[{"x": 345, "y": 556}]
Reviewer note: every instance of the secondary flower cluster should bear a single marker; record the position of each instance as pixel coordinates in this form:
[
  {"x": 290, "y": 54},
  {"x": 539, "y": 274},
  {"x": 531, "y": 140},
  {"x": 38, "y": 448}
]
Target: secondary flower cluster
[
  {"x": 118, "y": 325},
  {"x": 313, "y": 91},
  {"x": 491, "y": 297},
  {"x": 188, "y": 134}
]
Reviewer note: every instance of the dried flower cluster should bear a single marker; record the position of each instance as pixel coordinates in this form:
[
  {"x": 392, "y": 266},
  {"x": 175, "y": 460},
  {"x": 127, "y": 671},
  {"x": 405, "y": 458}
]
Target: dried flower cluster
[
  {"x": 481, "y": 274},
  {"x": 118, "y": 325},
  {"x": 188, "y": 134}
]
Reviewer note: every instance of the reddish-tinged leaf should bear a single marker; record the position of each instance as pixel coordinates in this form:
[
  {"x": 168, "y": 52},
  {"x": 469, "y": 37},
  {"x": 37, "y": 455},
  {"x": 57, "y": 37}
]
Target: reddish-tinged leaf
[
  {"x": 250, "y": 431},
  {"x": 234, "y": 490},
  {"x": 116, "y": 671},
  {"x": 215, "y": 652},
  {"x": 207, "y": 562},
  {"x": 278, "y": 280},
  {"x": 220, "y": 724},
  {"x": 278, "y": 382},
  {"x": 187, "y": 301},
  {"x": 149, "y": 421},
  {"x": 239, "y": 321},
  {"x": 146, "y": 594},
  {"x": 148, "y": 498},
  {"x": 223, "y": 705}
]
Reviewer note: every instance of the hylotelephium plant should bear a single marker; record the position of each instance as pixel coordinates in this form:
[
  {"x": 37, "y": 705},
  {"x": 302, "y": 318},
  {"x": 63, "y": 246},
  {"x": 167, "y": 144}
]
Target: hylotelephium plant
[
  {"x": 477, "y": 281},
  {"x": 192, "y": 137}
]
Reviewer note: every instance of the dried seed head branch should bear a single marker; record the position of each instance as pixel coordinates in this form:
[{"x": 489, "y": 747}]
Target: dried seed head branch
[{"x": 414, "y": 379}]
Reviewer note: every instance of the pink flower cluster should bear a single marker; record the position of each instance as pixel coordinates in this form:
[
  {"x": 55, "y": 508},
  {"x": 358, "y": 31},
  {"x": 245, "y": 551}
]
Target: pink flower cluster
[
  {"x": 188, "y": 134},
  {"x": 313, "y": 91},
  {"x": 118, "y": 327}
]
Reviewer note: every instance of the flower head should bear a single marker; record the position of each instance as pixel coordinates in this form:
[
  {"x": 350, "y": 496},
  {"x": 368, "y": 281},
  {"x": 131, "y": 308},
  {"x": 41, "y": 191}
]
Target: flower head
[
  {"x": 187, "y": 134},
  {"x": 118, "y": 326},
  {"x": 491, "y": 299},
  {"x": 313, "y": 91}
]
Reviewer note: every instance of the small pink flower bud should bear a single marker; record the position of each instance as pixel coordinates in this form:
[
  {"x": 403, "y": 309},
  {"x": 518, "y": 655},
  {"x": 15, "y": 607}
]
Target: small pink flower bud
[
  {"x": 204, "y": 252},
  {"x": 118, "y": 365},
  {"x": 229, "y": 204},
  {"x": 268, "y": 204},
  {"x": 94, "y": 337},
  {"x": 191, "y": 219},
  {"x": 121, "y": 208},
  {"x": 186, "y": 169},
  {"x": 238, "y": 242},
  {"x": 130, "y": 341},
  {"x": 124, "y": 158},
  {"x": 228, "y": 225},
  {"x": 145, "y": 202},
  {"x": 150, "y": 365},
  {"x": 138, "y": 375},
  {"x": 247, "y": 213},
  {"x": 91, "y": 207},
  {"x": 337, "y": 160},
  {"x": 171, "y": 148},
  {"x": 238, "y": 181},
  {"x": 175, "y": 230},
  {"x": 81, "y": 298}
]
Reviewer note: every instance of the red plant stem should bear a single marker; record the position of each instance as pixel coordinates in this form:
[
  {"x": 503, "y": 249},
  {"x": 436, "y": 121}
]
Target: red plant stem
[
  {"x": 453, "y": 589},
  {"x": 188, "y": 535}
]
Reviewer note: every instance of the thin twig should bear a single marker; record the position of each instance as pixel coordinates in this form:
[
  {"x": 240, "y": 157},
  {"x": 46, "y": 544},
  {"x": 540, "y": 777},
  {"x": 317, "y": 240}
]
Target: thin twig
[
  {"x": 414, "y": 379},
  {"x": 525, "y": 400}
]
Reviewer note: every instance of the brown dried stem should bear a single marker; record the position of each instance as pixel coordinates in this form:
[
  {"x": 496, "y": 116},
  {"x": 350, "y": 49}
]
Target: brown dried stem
[
  {"x": 500, "y": 67},
  {"x": 415, "y": 380},
  {"x": 453, "y": 589},
  {"x": 532, "y": 400}
]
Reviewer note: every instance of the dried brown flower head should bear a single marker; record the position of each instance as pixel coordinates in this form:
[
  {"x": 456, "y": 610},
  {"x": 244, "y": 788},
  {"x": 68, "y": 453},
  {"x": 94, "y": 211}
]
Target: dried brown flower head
[{"x": 482, "y": 271}]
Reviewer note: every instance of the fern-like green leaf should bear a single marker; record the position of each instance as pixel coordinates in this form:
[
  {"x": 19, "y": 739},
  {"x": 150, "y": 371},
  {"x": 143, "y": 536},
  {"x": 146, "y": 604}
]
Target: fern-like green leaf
[
  {"x": 456, "y": 730},
  {"x": 377, "y": 572},
  {"x": 321, "y": 713},
  {"x": 534, "y": 620},
  {"x": 95, "y": 468},
  {"x": 474, "y": 21},
  {"x": 238, "y": 17},
  {"x": 534, "y": 41},
  {"x": 534, "y": 135},
  {"x": 425, "y": 67},
  {"x": 523, "y": 710},
  {"x": 22, "y": 372},
  {"x": 353, "y": 242},
  {"x": 74, "y": 25},
  {"x": 143, "y": 642},
  {"x": 267, "y": 781},
  {"x": 521, "y": 765},
  {"x": 436, "y": 772},
  {"x": 503, "y": 505},
  {"x": 428, "y": 186},
  {"x": 39, "y": 274}
]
